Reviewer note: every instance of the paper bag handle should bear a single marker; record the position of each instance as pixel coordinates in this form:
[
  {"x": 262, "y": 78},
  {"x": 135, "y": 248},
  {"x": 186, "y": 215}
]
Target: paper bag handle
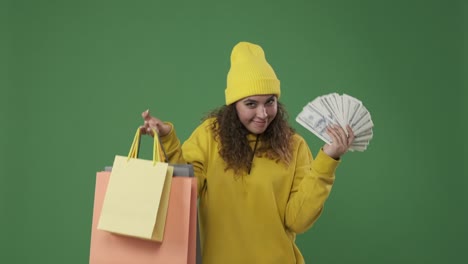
[
  {"x": 162, "y": 148},
  {"x": 157, "y": 151}
]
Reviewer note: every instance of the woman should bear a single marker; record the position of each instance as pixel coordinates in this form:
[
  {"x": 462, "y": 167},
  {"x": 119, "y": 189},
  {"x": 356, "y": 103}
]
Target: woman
[{"x": 258, "y": 184}]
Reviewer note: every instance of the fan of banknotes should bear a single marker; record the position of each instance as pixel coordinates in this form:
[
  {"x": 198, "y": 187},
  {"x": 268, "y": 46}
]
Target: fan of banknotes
[{"x": 338, "y": 109}]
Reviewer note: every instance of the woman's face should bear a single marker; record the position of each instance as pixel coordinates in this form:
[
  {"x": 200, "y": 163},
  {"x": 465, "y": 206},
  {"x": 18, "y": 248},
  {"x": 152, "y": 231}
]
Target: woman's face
[{"x": 256, "y": 112}]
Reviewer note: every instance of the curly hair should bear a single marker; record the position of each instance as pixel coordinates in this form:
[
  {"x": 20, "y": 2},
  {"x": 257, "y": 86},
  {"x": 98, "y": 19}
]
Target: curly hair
[{"x": 274, "y": 143}]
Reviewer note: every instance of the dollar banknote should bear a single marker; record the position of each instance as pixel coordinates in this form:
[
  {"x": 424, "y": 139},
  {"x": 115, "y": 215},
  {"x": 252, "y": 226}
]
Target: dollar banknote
[{"x": 336, "y": 109}]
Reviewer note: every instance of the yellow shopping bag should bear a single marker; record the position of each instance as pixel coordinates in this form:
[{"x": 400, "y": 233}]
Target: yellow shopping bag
[{"x": 137, "y": 195}]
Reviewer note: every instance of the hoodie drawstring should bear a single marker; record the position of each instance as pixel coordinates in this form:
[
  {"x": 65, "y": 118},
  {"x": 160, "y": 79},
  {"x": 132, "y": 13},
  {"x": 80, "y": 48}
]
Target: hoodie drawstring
[{"x": 253, "y": 153}]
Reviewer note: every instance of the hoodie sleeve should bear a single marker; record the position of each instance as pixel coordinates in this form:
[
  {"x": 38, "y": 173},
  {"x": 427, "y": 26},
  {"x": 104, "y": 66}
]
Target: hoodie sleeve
[
  {"x": 311, "y": 187},
  {"x": 171, "y": 145},
  {"x": 192, "y": 151},
  {"x": 196, "y": 152}
]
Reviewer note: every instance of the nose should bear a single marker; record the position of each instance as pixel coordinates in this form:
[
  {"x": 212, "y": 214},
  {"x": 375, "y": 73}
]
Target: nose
[{"x": 261, "y": 112}]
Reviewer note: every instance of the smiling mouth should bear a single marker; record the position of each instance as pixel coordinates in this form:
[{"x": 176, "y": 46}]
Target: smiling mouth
[{"x": 260, "y": 123}]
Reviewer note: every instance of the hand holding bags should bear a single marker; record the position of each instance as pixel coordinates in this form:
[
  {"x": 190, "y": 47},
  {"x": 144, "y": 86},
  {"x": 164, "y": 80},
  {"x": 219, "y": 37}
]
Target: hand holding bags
[
  {"x": 137, "y": 195},
  {"x": 179, "y": 244}
]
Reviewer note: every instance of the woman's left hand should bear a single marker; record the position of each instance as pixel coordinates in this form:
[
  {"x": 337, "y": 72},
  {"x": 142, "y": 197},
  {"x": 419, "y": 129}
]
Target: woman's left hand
[{"x": 341, "y": 141}]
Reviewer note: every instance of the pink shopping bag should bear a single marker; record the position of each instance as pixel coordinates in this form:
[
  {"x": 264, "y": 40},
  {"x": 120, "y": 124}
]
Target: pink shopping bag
[{"x": 179, "y": 243}]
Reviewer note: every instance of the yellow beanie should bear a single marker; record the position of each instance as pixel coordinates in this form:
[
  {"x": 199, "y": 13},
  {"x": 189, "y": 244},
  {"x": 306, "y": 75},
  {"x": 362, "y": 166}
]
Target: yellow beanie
[{"x": 250, "y": 74}]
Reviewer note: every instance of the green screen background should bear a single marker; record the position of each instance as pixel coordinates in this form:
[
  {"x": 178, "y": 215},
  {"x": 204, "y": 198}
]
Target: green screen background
[{"x": 75, "y": 76}]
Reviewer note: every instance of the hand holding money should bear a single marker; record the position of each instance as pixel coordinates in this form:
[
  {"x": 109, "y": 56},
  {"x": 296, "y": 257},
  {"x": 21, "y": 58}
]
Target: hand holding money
[
  {"x": 340, "y": 141},
  {"x": 334, "y": 110}
]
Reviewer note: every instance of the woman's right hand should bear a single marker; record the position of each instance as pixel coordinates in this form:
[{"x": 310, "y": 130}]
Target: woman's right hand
[{"x": 151, "y": 123}]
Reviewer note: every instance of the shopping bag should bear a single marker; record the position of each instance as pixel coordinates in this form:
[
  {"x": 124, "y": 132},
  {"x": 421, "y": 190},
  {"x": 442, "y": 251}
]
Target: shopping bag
[
  {"x": 137, "y": 195},
  {"x": 180, "y": 238}
]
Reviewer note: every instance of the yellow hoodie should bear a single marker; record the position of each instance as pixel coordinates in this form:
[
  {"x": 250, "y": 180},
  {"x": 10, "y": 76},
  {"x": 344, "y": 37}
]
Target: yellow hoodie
[{"x": 254, "y": 218}]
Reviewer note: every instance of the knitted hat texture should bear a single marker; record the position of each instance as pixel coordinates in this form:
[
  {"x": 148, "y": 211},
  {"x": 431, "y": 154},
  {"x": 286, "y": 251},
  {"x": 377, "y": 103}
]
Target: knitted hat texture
[{"x": 250, "y": 74}]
